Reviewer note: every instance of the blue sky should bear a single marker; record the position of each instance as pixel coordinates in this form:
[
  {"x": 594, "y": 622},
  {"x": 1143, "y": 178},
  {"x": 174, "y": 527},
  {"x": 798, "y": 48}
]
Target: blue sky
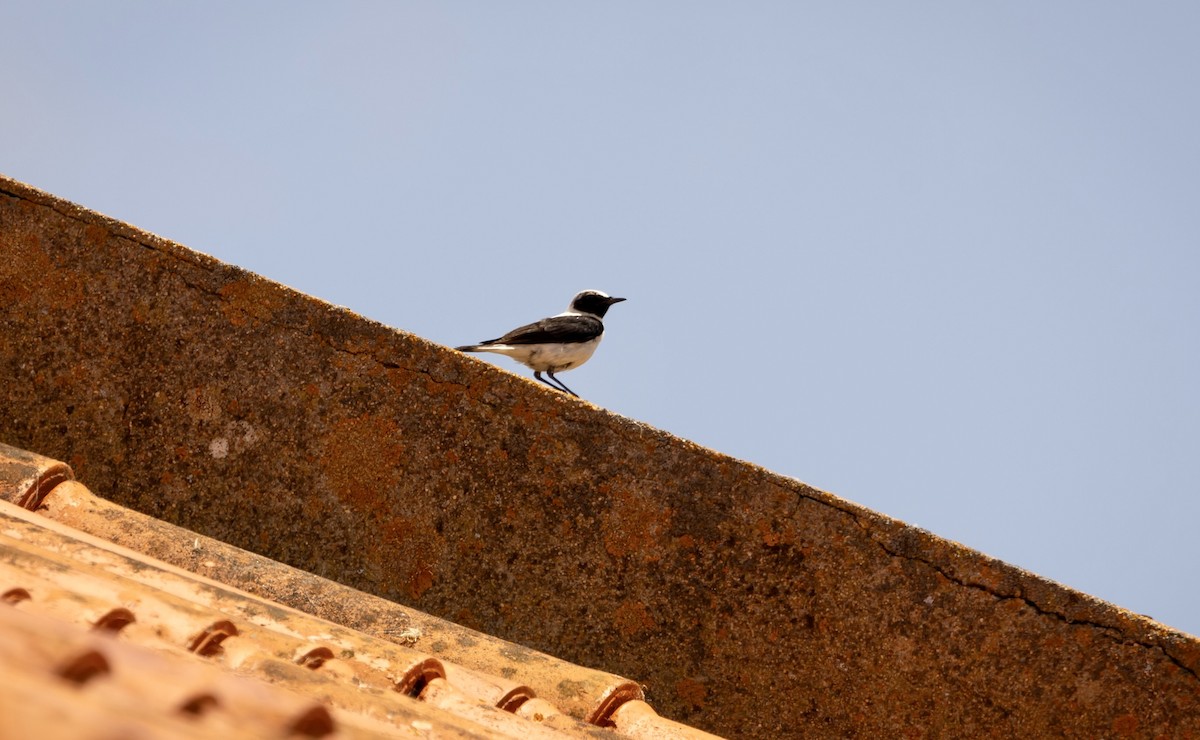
[{"x": 942, "y": 259}]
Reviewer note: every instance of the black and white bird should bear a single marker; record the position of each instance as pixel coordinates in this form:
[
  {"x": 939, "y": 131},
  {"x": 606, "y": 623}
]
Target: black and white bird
[{"x": 559, "y": 343}]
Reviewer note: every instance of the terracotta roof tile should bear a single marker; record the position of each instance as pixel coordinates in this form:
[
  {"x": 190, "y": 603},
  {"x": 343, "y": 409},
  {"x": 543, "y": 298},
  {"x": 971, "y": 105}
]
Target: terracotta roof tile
[
  {"x": 121, "y": 632},
  {"x": 583, "y": 693},
  {"x": 101, "y": 686}
]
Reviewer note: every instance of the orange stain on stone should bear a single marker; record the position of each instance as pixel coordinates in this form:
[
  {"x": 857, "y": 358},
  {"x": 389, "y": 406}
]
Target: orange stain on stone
[
  {"x": 1187, "y": 653},
  {"x": 95, "y": 235},
  {"x": 249, "y": 302},
  {"x": 22, "y": 262},
  {"x": 1125, "y": 726},
  {"x": 989, "y": 577},
  {"x": 636, "y": 525},
  {"x": 767, "y": 532},
  {"x": 521, "y": 410},
  {"x": 631, "y": 617},
  {"x": 691, "y": 692},
  {"x": 25, "y": 264},
  {"x": 363, "y": 460}
]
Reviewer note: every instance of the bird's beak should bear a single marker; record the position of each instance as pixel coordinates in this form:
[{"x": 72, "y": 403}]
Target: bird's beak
[{"x": 614, "y": 300}]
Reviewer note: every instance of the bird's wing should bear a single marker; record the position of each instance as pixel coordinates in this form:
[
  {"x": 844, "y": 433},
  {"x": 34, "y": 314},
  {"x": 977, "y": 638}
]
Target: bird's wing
[{"x": 566, "y": 329}]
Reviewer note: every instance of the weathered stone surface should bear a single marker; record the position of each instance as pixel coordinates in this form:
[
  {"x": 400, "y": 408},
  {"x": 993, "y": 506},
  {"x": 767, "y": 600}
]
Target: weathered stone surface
[{"x": 748, "y": 603}]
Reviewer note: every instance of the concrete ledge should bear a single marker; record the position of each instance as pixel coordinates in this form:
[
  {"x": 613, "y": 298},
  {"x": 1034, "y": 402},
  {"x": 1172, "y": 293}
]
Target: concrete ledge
[{"x": 747, "y": 603}]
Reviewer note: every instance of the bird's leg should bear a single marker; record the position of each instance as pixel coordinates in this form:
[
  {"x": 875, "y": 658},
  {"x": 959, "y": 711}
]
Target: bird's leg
[
  {"x": 538, "y": 374},
  {"x": 561, "y": 384}
]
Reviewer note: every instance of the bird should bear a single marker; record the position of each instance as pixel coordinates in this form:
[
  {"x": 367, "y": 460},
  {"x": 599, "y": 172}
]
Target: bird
[{"x": 558, "y": 343}]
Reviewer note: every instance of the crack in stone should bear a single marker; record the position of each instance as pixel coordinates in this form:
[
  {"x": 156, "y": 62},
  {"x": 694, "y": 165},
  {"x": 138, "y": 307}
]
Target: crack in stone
[
  {"x": 112, "y": 226},
  {"x": 1111, "y": 632}
]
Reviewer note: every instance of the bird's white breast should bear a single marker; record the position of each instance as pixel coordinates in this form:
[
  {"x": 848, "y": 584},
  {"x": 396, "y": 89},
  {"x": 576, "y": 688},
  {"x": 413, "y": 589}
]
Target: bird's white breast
[{"x": 548, "y": 357}]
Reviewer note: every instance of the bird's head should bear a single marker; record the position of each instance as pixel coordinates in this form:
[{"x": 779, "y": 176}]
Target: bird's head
[{"x": 592, "y": 302}]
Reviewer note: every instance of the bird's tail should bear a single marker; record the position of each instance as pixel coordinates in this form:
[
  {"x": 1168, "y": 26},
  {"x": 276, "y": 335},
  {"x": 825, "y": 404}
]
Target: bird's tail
[{"x": 484, "y": 346}]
